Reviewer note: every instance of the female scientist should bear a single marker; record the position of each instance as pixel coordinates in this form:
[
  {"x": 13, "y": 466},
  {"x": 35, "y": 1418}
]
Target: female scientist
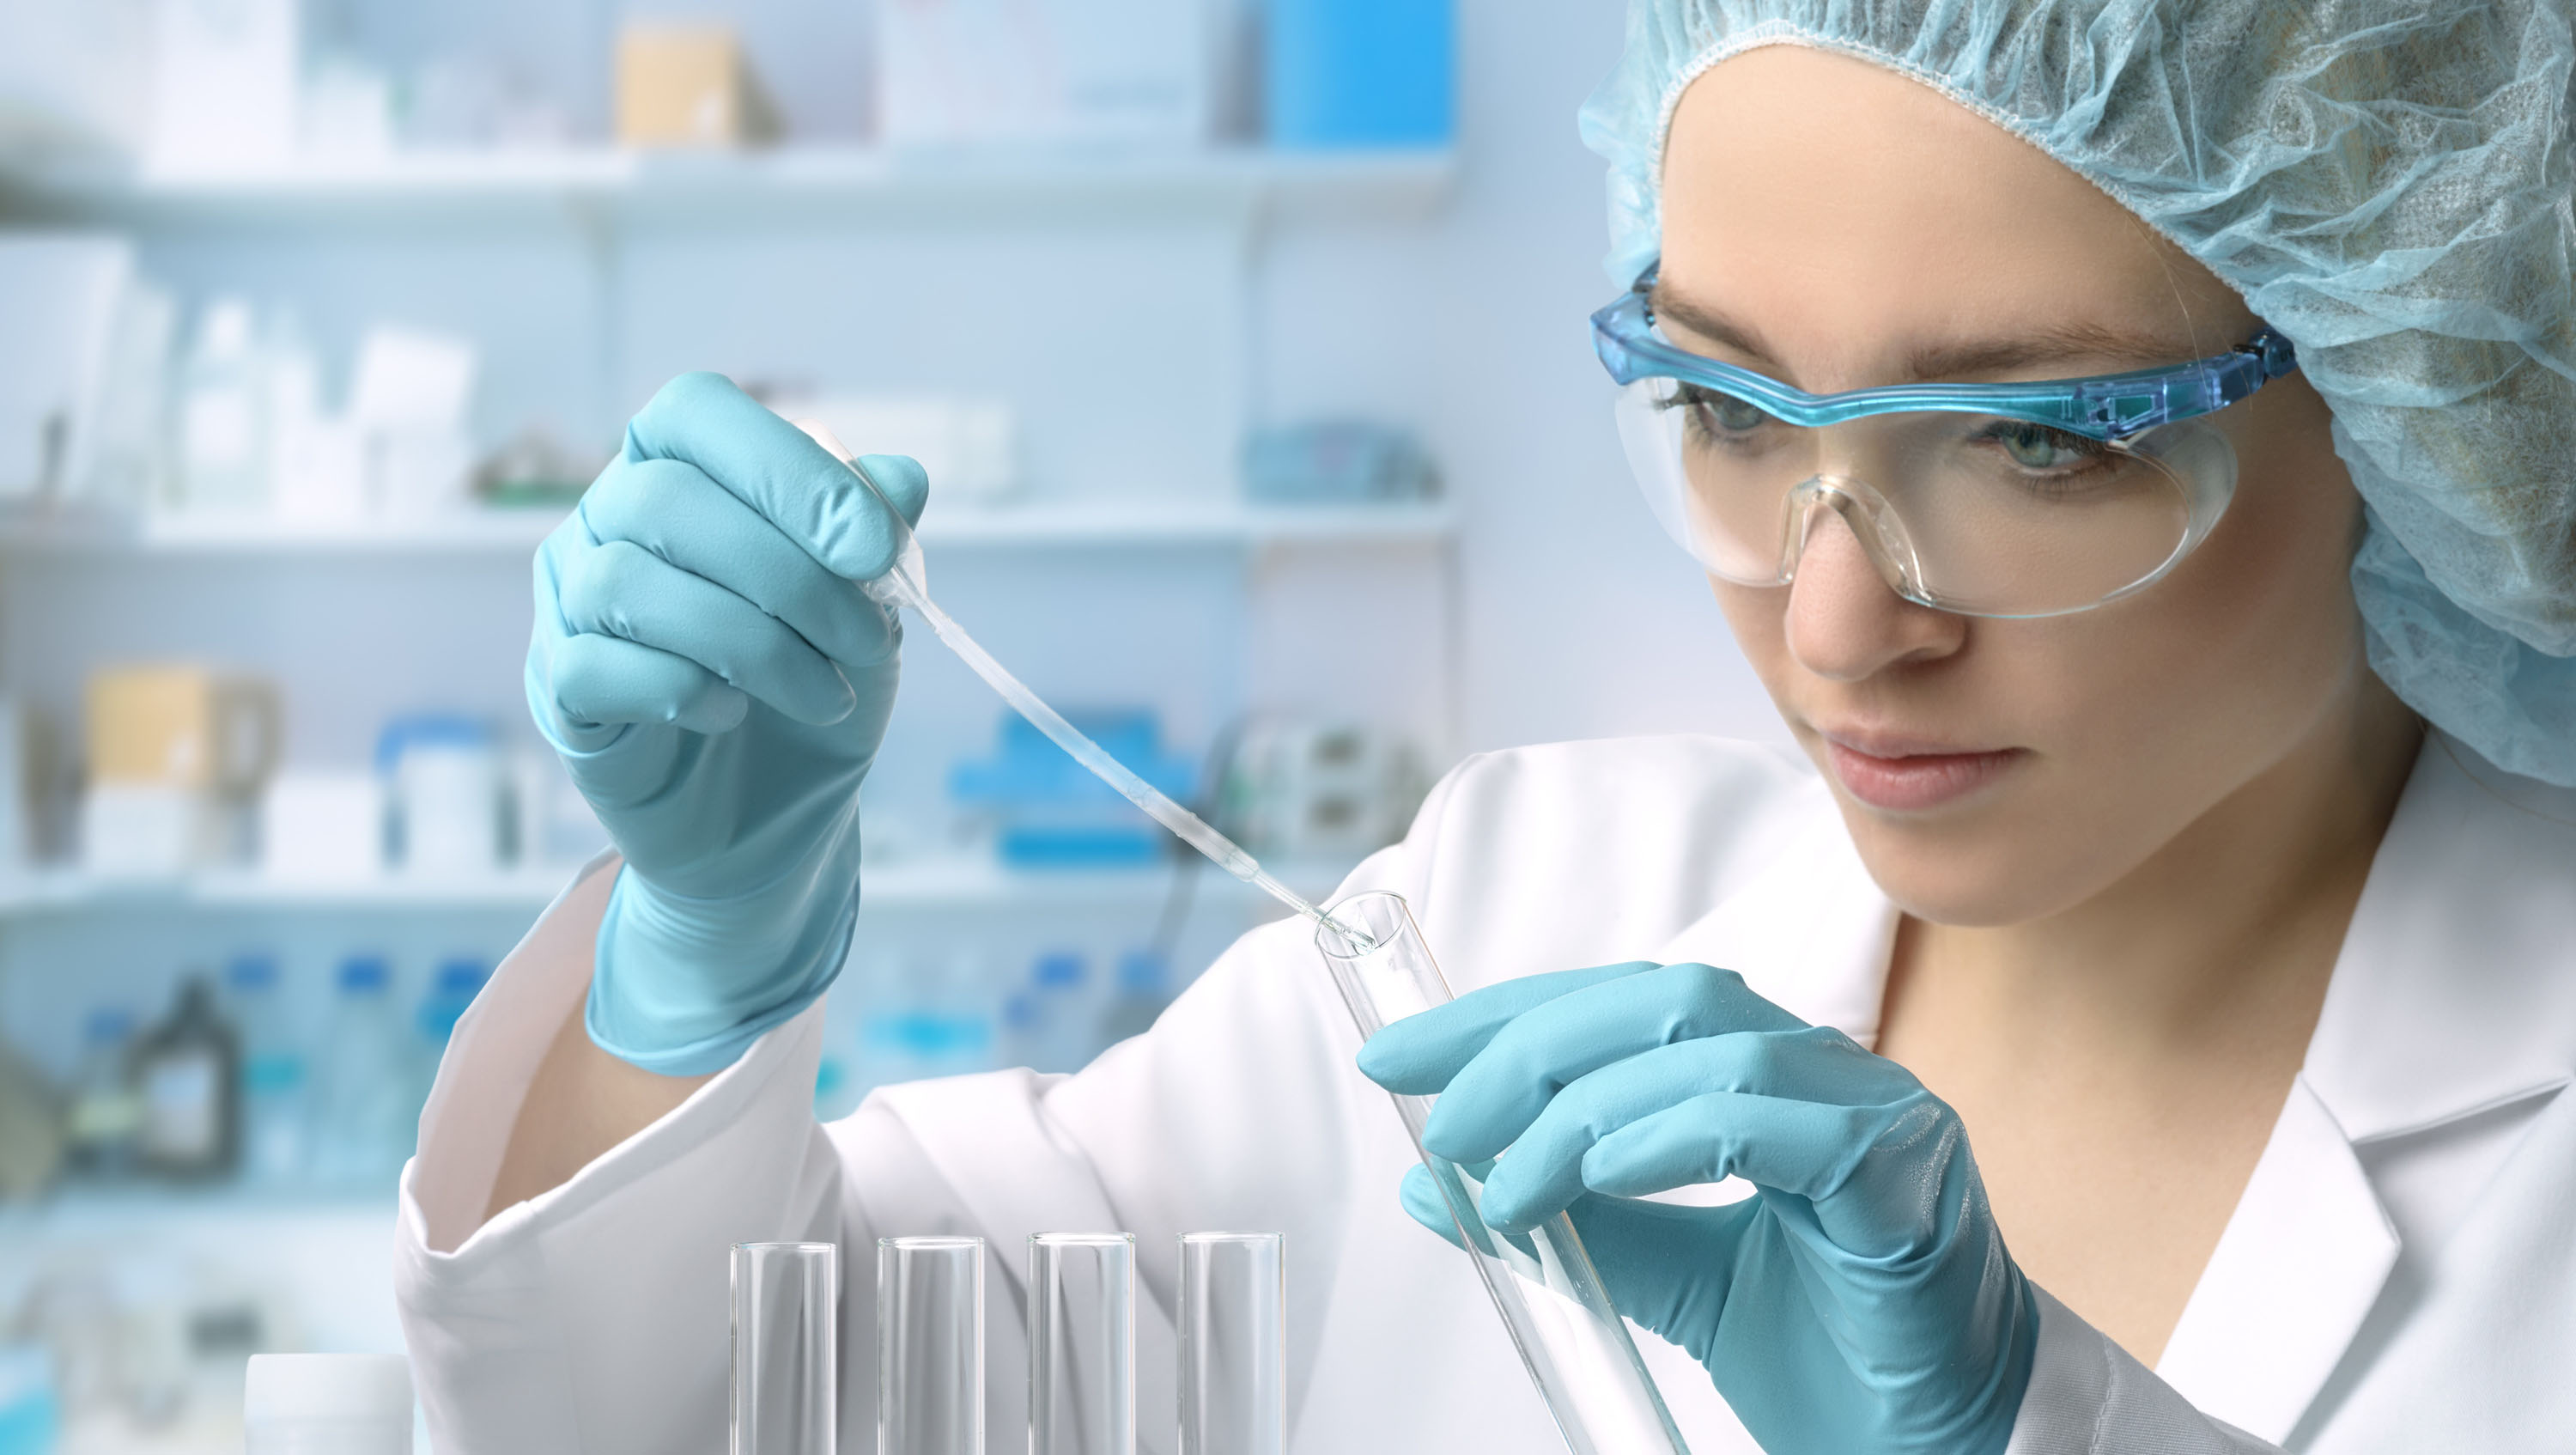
[{"x": 2134, "y": 441}]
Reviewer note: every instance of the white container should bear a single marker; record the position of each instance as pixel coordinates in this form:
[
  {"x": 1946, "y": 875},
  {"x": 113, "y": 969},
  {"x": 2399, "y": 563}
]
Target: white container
[
  {"x": 965, "y": 72},
  {"x": 327, "y": 1404},
  {"x": 450, "y": 801},
  {"x": 320, "y": 825},
  {"x": 149, "y": 830}
]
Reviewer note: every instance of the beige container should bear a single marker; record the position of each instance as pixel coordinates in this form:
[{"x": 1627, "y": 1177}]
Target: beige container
[
  {"x": 189, "y": 727},
  {"x": 685, "y": 84}
]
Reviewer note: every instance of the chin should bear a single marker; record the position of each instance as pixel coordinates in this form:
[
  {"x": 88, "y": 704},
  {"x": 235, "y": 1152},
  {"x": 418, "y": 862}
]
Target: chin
[{"x": 1997, "y": 868}]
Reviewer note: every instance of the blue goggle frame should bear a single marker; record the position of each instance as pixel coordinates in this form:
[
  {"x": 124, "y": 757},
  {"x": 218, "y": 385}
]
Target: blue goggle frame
[{"x": 2106, "y": 407}]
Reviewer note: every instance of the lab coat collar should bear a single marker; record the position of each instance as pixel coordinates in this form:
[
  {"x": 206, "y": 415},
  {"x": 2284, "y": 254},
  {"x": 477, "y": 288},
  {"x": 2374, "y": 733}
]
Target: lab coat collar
[
  {"x": 2456, "y": 988},
  {"x": 1811, "y": 933}
]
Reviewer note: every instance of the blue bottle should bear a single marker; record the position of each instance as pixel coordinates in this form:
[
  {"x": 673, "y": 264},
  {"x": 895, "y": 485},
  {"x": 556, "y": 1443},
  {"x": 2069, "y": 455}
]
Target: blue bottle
[{"x": 1345, "y": 74}]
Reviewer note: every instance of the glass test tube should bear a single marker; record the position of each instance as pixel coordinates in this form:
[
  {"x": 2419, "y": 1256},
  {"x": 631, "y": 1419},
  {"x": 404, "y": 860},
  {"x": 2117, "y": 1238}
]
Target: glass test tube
[
  {"x": 786, "y": 1351},
  {"x": 1234, "y": 1344},
  {"x": 1082, "y": 1344},
  {"x": 1543, "y": 1283},
  {"x": 930, "y": 1346}
]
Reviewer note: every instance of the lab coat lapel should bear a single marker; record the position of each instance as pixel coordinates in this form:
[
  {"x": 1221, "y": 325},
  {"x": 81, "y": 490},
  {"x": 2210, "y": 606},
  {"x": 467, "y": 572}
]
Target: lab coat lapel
[
  {"x": 2300, "y": 1263},
  {"x": 1811, "y": 933},
  {"x": 2452, "y": 994}
]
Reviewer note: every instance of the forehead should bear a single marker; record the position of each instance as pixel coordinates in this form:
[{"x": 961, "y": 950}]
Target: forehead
[{"x": 1836, "y": 200}]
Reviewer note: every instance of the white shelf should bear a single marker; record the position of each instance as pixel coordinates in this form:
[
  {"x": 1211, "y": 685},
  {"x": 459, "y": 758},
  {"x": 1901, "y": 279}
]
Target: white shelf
[
  {"x": 920, "y": 885},
  {"x": 1118, "y": 524},
  {"x": 753, "y": 188}
]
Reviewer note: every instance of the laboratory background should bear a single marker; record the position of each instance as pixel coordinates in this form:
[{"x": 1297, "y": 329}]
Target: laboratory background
[{"x": 1243, "y": 342}]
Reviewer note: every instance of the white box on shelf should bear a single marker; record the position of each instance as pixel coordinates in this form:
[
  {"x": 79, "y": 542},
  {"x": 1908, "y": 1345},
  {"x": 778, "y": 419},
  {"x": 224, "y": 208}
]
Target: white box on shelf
[
  {"x": 969, "y": 71},
  {"x": 149, "y": 830},
  {"x": 408, "y": 402},
  {"x": 322, "y": 826},
  {"x": 226, "y": 77}
]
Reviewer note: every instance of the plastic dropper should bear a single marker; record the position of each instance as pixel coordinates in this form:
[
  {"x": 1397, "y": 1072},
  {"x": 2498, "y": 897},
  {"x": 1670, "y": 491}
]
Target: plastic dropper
[{"x": 906, "y": 584}]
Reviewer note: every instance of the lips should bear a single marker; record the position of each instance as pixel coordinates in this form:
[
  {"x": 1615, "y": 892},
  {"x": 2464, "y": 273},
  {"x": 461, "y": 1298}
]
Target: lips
[{"x": 1901, "y": 774}]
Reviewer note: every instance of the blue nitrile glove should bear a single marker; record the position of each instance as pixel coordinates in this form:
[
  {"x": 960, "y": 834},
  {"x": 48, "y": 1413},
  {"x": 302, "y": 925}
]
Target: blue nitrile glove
[
  {"x": 717, "y": 685},
  {"x": 1860, "y": 1302}
]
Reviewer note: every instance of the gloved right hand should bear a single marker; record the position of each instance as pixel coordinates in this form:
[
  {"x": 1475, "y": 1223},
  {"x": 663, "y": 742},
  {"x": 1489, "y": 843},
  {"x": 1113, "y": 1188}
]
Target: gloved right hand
[
  {"x": 716, "y": 683},
  {"x": 1860, "y": 1302}
]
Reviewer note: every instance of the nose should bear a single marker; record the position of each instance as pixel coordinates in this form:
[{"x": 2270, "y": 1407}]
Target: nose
[{"x": 1845, "y": 623}]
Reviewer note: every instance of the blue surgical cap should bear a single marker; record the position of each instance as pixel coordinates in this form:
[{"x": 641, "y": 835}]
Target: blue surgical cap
[{"x": 2387, "y": 182}]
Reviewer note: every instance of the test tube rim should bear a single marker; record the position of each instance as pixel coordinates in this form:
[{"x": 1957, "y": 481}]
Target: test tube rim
[
  {"x": 770, "y": 1245},
  {"x": 931, "y": 1242},
  {"x": 1215, "y": 1236},
  {"x": 1330, "y": 924},
  {"x": 1082, "y": 1240}
]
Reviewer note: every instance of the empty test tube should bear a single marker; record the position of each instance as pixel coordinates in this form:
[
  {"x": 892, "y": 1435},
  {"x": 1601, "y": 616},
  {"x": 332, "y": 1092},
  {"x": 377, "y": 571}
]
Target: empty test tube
[
  {"x": 786, "y": 1352},
  {"x": 1082, "y": 1344},
  {"x": 1234, "y": 1344},
  {"x": 930, "y": 1346}
]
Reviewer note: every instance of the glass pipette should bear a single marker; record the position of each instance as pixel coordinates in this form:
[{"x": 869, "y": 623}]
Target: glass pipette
[{"x": 906, "y": 585}]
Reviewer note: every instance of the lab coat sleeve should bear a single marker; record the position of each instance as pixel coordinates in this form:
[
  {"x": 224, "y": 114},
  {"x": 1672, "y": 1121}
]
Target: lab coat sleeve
[{"x": 2087, "y": 1396}]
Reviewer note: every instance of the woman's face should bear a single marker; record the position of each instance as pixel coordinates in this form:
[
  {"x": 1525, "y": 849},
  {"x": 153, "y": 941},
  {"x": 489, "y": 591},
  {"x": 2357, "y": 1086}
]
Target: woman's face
[{"x": 1996, "y": 771}]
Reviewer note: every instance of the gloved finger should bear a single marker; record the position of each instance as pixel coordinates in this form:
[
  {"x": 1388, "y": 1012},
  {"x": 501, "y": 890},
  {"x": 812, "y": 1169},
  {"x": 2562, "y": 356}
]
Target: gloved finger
[
  {"x": 670, "y": 508},
  {"x": 598, "y": 679},
  {"x": 622, "y": 590},
  {"x": 1549, "y": 1164},
  {"x": 1499, "y": 1093},
  {"x": 1809, "y": 1148},
  {"x": 771, "y": 466},
  {"x": 1417, "y": 1055},
  {"x": 903, "y": 482},
  {"x": 1640, "y": 1250},
  {"x": 1424, "y": 1204}
]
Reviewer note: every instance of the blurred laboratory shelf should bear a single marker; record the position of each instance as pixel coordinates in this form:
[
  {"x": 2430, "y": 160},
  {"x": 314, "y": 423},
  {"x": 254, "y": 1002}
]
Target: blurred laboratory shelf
[
  {"x": 299, "y": 1258},
  {"x": 758, "y": 188},
  {"x": 513, "y": 532},
  {"x": 927, "y": 884}
]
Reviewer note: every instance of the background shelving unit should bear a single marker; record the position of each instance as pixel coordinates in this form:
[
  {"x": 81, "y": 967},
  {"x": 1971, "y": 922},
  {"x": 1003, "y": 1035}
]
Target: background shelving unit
[{"x": 1129, "y": 571}]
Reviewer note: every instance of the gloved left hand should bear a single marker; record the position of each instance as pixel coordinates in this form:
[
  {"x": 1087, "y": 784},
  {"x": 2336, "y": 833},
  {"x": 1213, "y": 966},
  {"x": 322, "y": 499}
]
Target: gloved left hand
[{"x": 1860, "y": 1301}]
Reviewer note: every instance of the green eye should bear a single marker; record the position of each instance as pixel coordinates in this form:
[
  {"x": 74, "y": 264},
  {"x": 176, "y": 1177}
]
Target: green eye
[
  {"x": 1723, "y": 412},
  {"x": 2037, "y": 447}
]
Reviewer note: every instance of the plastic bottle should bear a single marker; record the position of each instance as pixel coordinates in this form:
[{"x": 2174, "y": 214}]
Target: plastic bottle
[
  {"x": 223, "y": 419},
  {"x": 1144, "y": 989},
  {"x": 273, "y": 1080},
  {"x": 187, "y": 1070},
  {"x": 1065, "y": 1041},
  {"x": 452, "y": 988},
  {"x": 327, "y": 1404},
  {"x": 362, "y": 1092},
  {"x": 105, "y": 1112}
]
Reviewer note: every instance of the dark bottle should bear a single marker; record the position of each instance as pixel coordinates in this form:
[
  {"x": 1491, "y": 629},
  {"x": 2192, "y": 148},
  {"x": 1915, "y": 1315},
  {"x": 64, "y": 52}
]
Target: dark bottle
[{"x": 187, "y": 1072}]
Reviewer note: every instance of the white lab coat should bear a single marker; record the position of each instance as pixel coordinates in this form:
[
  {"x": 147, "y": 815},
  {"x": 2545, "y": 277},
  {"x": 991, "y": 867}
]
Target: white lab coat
[{"x": 2399, "y": 1276}]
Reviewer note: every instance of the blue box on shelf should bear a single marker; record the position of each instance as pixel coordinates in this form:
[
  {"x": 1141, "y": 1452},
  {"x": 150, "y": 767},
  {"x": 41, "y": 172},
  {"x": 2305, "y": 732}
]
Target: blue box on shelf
[
  {"x": 1343, "y": 74},
  {"x": 1050, "y": 813}
]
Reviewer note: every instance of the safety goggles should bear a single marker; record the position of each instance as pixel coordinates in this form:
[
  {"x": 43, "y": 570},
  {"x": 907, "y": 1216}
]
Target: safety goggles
[{"x": 2012, "y": 499}]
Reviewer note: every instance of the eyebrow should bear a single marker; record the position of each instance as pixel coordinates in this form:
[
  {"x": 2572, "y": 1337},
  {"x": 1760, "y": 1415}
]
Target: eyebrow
[{"x": 1946, "y": 359}]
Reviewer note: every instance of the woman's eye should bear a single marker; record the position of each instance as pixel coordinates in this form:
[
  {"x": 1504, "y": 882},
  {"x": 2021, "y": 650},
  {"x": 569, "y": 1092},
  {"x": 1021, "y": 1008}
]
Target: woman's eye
[
  {"x": 2037, "y": 447},
  {"x": 1722, "y": 412}
]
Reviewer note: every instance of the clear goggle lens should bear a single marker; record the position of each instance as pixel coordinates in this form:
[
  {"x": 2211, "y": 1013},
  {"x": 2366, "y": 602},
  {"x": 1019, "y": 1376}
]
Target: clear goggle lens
[{"x": 1975, "y": 513}]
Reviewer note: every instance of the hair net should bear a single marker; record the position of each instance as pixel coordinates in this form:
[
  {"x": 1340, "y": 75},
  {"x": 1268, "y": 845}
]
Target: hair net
[{"x": 2386, "y": 183}]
